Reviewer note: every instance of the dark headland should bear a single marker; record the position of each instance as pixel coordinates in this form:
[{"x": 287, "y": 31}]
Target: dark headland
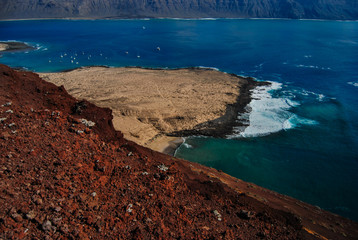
[{"x": 14, "y": 46}]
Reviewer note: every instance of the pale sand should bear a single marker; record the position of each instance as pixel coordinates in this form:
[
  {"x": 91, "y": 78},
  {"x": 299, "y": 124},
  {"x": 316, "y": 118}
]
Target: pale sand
[
  {"x": 149, "y": 104},
  {"x": 3, "y": 47}
]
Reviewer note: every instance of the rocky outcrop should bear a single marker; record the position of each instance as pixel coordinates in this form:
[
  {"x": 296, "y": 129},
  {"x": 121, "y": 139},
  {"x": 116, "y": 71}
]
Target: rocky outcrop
[
  {"x": 318, "y": 9},
  {"x": 14, "y": 46},
  {"x": 65, "y": 173}
]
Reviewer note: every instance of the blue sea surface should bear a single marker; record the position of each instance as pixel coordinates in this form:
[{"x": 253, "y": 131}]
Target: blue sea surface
[{"x": 302, "y": 138}]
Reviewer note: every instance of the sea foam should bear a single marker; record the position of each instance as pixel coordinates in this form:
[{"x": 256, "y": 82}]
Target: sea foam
[
  {"x": 39, "y": 47},
  {"x": 355, "y": 84},
  {"x": 312, "y": 66},
  {"x": 267, "y": 114}
]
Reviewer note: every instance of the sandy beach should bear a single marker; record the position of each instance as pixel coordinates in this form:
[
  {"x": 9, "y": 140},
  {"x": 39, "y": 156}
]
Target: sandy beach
[{"x": 153, "y": 107}]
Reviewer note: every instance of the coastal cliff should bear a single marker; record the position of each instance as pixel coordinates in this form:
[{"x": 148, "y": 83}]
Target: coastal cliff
[
  {"x": 295, "y": 9},
  {"x": 66, "y": 173}
]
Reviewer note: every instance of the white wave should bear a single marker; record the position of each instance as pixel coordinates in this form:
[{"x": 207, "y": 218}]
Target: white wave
[
  {"x": 296, "y": 121},
  {"x": 312, "y": 66},
  {"x": 188, "y": 19},
  {"x": 187, "y": 145},
  {"x": 267, "y": 114},
  {"x": 212, "y": 68},
  {"x": 355, "y": 84},
  {"x": 183, "y": 144},
  {"x": 259, "y": 66},
  {"x": 319, "y": 96},
  {"x": 208, "y": 19},
  {"x": 40, "y": 47},
  {"x": 349, "y": 42},
  {"x": 9, "y": 41}
]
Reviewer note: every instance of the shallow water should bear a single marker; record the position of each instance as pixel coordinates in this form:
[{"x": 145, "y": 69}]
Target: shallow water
[{"x": 303, "y": 133}]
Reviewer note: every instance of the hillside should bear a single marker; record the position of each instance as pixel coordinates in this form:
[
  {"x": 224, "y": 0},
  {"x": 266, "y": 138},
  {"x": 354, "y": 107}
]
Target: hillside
[
  {"x": 296, "y": 9},
  {"x": 65, "y": 173}
]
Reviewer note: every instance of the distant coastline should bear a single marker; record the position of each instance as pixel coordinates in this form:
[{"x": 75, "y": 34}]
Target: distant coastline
[
  {"x": 191, "y": 9},
  {"x": 175, "y": 18}
]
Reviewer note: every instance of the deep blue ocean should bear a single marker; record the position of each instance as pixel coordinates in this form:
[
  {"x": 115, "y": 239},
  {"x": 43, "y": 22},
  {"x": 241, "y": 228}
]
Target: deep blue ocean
[{"x": 303, "y": 135}]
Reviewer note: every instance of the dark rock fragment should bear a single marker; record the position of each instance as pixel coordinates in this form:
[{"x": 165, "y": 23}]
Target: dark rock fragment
[{"x": 244, "y": 214}]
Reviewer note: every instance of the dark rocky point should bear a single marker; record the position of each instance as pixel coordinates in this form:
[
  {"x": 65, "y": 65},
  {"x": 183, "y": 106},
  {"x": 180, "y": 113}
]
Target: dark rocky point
[{"x": 16, "y": 46}]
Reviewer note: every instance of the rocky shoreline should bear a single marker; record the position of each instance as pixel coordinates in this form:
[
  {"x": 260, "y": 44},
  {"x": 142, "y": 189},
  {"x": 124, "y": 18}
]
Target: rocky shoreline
[
  {"x": 14, "y": 46},
  {"x": 224, "y": 125}
]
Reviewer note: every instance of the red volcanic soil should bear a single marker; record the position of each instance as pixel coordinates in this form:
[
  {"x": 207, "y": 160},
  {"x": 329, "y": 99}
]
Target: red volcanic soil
[{"x": 61, "y": 178}]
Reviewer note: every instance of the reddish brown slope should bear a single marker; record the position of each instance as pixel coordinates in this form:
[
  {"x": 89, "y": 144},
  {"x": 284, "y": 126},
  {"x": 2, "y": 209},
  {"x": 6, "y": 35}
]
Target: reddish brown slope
[{"x": 61, "y": 179}]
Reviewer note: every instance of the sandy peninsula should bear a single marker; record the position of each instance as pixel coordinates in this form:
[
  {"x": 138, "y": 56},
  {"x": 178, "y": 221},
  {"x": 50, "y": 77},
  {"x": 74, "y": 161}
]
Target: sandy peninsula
[{"x": 153, "y": 107}]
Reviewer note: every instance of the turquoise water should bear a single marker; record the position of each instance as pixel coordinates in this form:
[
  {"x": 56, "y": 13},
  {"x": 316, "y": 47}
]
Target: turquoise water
[{"x": 302, "y": 138}]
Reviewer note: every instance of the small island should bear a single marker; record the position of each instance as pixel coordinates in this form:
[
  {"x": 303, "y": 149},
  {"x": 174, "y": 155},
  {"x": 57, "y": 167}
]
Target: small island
[
  {"x": 156, "y": 107},
  {"x": 14, "y": 46}
]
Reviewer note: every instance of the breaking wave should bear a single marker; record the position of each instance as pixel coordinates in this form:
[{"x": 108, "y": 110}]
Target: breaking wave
[
  {"x": 312, "y": 67},
  {"x": 355, "y": 84},
  {"x": 268, "y": 114}
]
